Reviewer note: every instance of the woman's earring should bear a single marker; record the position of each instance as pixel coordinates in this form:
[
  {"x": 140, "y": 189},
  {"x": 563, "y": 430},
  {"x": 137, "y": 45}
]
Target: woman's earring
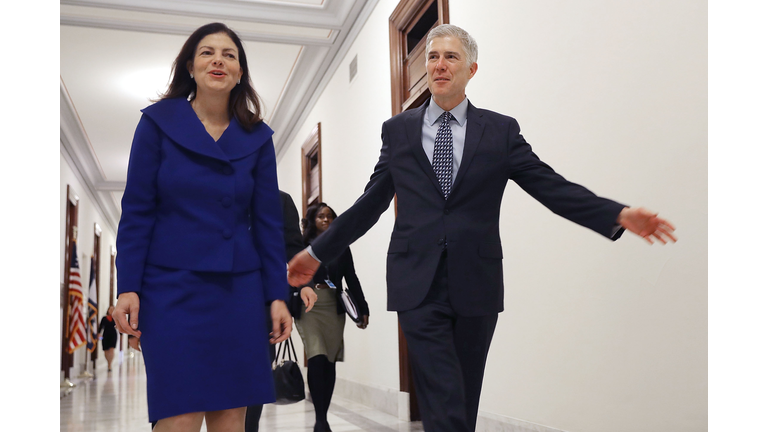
[
  {"x": 238, "y": 80},
  {"x": 191, "y": 75}
]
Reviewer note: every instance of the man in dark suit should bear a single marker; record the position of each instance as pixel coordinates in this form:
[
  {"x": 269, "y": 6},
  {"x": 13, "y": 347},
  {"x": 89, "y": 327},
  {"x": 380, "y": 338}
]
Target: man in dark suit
[{"x": 449, "y": 163}]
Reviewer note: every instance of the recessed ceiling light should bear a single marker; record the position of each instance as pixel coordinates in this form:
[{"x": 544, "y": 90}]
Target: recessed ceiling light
[{"x": 145, "y": 84}]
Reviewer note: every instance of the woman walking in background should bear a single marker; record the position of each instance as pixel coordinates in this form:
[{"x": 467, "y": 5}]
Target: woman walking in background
[
  {"x": 322, "y": 330},
  {"x": 200, "y": 243},
  {"x": 108, "y": 336}
]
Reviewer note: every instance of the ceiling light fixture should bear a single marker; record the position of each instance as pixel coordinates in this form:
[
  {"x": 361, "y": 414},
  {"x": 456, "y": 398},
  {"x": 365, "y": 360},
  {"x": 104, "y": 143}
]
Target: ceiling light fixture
[{"x": 145, "y": 84}]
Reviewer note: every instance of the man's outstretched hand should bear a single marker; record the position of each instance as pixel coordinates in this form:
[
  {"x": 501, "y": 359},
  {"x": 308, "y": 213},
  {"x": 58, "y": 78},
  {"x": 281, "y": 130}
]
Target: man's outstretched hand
[
  {"x": 646, "y": 224},
  {"x": 301, "y": 268}
]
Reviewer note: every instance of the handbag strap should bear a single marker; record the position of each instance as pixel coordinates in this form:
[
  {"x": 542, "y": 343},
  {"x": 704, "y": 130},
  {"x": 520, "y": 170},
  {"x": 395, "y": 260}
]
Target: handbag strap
[
  {"x": 295, "y": 357},
  {"x": 283, "y": 347}
]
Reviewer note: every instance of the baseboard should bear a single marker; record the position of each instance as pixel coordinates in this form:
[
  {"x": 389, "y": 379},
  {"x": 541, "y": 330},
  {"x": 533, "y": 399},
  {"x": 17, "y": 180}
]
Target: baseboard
[
  {"x": 488, "y": 422},
  {"x": 380, "y": 398},
  {"x": 396, "y": 403}
]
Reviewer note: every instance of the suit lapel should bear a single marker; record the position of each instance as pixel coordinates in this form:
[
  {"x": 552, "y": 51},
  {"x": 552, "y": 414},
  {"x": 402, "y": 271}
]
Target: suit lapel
[
  {"x": 178, "y": 120},
  {"x": 237, "y": 142},
  {"x": 475, "y": 127},
  {"x": 413, "y": 129}
]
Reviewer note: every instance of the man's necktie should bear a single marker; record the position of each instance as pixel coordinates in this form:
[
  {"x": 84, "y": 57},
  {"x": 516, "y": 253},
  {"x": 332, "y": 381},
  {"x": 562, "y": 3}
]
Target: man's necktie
[{"x": 442, "y": 158}]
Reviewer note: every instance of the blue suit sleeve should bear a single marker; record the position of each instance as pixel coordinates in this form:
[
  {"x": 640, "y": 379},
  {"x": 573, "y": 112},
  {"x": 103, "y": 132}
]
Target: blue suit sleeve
[
  {"x": 139, "y": 205},
  {"x": 268, "y": 225}
]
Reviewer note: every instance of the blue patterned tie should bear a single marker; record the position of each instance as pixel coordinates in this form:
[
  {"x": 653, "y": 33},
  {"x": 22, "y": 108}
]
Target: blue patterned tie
[{"x": 442, "y": 158}]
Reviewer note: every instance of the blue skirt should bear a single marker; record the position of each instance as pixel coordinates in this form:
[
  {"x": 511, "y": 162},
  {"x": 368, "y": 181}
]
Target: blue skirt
[{"x": 205, "y": 341}]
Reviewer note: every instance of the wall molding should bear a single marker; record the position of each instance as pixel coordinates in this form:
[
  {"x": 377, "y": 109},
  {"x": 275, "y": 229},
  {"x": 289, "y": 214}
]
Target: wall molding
[
  {"x": 79, "y": 155},
  {"x": 328, "y": 15},
  {"x": 358, "y": 19}
]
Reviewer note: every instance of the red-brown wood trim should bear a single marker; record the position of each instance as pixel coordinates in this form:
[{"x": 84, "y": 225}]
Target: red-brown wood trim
[
  {"x": 97, "y": 271},
  {"x": 402, "y": 20},
  {"x": 70, "y": 225},
  {"x": 312, "y": 144}
]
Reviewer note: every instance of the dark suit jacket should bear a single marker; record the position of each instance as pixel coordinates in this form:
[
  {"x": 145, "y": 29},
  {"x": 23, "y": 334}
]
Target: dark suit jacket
[
  {"x": 466, "y": 225},
  {"x": 291, "y": 231},
  {"x": 197, "y": 204}
]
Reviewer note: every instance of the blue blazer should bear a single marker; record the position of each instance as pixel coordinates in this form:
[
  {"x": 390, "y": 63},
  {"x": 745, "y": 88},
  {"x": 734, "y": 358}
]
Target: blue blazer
[
  {"x": 466, "y": 225},
  {"x": 197, "y": 204}
]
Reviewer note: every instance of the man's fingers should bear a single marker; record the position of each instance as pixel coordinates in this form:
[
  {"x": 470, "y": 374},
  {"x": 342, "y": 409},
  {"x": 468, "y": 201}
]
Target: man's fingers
[{"x": 668, "y": 233}]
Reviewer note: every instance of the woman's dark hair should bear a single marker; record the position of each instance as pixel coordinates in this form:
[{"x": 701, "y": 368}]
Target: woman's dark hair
[
  {"x": 244, "y": 102},
  {"x": 308, "y": 226}
]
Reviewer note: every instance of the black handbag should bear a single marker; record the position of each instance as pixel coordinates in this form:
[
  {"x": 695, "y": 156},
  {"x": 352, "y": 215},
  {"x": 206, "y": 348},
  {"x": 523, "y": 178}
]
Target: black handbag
[{"x": 289, "y": 383}]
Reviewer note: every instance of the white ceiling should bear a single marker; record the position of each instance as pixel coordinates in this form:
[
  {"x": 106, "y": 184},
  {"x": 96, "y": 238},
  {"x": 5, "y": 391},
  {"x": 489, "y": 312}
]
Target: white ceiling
[{"x": 116, "y": 56}]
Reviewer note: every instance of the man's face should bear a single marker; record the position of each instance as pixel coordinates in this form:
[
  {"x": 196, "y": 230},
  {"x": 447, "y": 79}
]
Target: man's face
[{"x": 447, "y": 71}]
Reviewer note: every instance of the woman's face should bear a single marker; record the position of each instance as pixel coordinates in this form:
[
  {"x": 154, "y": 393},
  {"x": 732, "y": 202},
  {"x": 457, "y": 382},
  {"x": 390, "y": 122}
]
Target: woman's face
[
  {"x": 216, "y": 66},
  {"x": 323, "y": 219}
]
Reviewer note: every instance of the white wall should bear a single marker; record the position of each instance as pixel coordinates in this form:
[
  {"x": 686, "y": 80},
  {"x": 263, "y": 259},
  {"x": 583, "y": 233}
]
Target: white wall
[
  {"x": 350, "y": 115},
  {"x": 88, "y": 215},
  {"x": 596, "y": 336}
]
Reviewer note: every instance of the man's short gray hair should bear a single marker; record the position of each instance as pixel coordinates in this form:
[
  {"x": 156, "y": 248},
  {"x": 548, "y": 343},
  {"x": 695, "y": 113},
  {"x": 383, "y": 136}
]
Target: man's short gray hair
[{"x": 467, "y": 41}]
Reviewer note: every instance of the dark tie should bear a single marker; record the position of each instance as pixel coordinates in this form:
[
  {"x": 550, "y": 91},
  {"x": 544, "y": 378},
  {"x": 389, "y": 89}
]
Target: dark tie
[{"x": 442, "y": 158}]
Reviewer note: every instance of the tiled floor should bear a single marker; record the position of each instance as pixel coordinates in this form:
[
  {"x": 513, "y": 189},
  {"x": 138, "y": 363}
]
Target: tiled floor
[{"x": 117, "y": 402}]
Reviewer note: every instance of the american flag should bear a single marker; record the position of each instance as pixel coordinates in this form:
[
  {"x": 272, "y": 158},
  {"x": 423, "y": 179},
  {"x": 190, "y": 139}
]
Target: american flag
[
  {"x": 93, "y": 311},
  {"x": 76, "y": 319}
]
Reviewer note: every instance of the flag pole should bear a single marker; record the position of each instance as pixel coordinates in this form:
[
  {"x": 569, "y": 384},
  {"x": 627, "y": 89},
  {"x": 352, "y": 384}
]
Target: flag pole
[
  {"x": 85, "y": 374},
  {"x": 88, "y": 327}
]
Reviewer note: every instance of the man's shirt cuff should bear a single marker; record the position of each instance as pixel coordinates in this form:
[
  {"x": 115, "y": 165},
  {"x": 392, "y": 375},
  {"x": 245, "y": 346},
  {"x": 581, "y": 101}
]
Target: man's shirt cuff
[{"x": 312, "y": 254}]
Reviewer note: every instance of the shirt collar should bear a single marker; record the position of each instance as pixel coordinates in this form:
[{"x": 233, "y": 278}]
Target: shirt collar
[{"x": 459, "y": 112}]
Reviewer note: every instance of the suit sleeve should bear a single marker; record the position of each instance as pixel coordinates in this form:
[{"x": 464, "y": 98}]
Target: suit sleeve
[
  {"x": 139, "y": 205},
  {"x": 364, "y": 213},
  {"x": 353, "y": 283},
  {"x": 293, "y": 241},
  {"x": 268, "y": 225},
  {"x": 564, "y": 198}
]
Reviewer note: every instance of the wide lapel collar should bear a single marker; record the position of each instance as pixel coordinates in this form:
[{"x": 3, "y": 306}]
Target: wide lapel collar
[
  {"x": 236, "y": 142},
  {"x": 475, "y": 127},
  {"x": 178, "y": 120},
  {"x": 413, "y": 128}
]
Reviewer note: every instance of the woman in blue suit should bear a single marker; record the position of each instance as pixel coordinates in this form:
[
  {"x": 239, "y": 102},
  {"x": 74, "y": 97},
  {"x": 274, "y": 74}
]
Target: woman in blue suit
[{"x": 200, "y": 243}]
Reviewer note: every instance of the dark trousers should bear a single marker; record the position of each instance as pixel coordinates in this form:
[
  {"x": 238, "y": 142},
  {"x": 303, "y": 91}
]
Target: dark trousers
[
  {"x": 448, "y": 354},
  {"x": 253, "y": 413}
]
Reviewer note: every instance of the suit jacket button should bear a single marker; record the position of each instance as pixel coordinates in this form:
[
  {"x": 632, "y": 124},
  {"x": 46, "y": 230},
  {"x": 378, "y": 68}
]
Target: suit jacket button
[
  {"x": 227, "y": 234},
  {"x": 446, "y": 211},
  {"x": 226, "y": 202},
  {"x": 440, "y": 242}
]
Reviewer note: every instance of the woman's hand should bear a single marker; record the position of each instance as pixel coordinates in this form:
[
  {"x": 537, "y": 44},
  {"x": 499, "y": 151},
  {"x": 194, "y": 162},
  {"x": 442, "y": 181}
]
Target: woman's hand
[
  {"x": 309, "y": 297},
  {"x": 281, "y": 322},
  {"x": 127, "y": 304},
  {"x": 363, "y": 324}
]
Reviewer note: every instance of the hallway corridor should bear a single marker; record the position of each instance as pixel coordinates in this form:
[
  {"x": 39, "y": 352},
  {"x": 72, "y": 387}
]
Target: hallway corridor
[{"x": 117, "y": 402}]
